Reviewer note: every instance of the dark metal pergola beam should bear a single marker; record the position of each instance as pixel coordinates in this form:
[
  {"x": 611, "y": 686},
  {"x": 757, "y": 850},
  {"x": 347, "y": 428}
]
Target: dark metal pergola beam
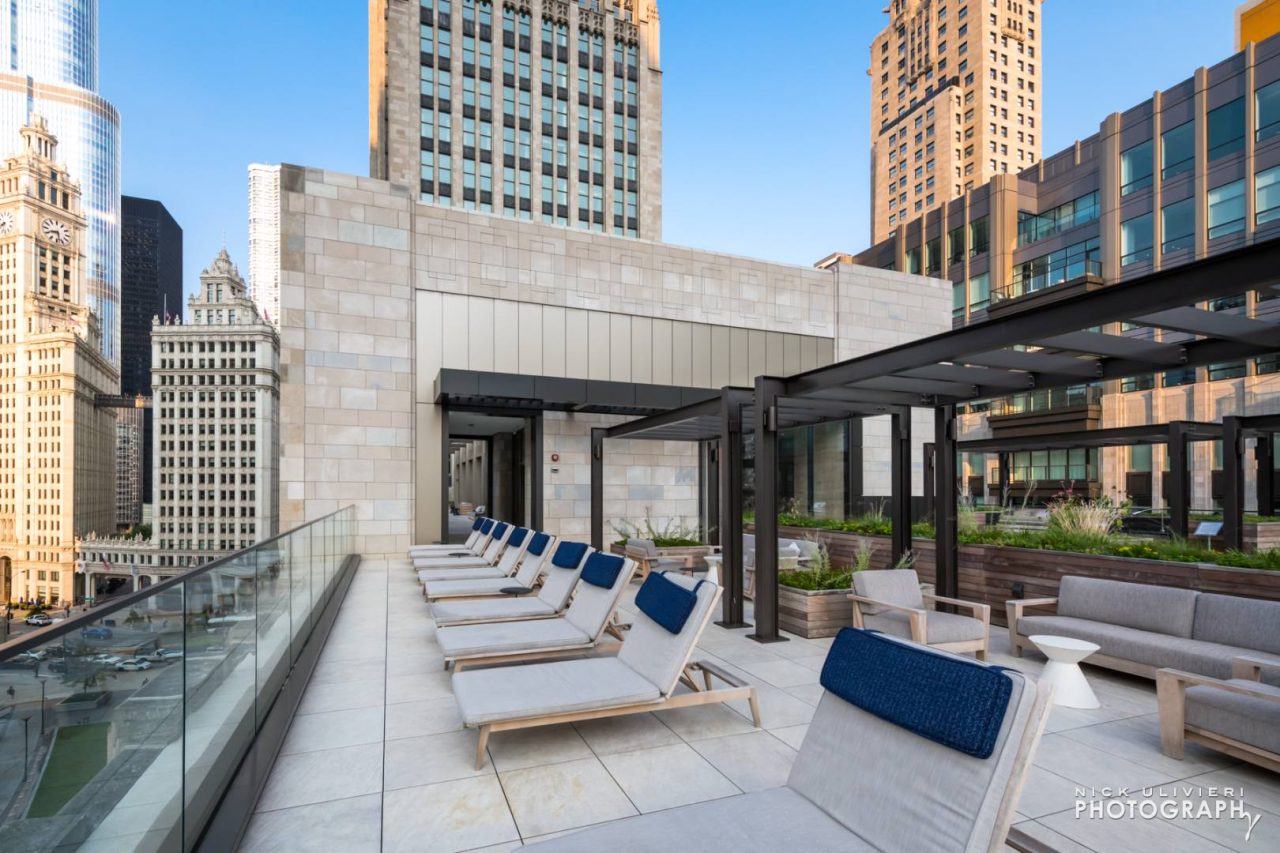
[
  {"x": 1214, "y": 324},
  {"x": 1111, "y": 437},
  {"x": 1116, "y": 346}
]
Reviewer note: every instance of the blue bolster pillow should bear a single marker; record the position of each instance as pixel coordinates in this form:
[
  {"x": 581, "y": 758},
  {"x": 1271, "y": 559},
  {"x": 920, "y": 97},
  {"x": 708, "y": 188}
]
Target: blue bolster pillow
[
  {"x": 602, "y": 569},
  {"x": 478, "y": 523},
  {"x": 517, "y": 536},
  {"x": 569, "y": 555},
  {"x": 953, "y": 702},
  {"x": 666, "y": 602},
  {"x": 500, "y": 529},
  {"x": 487, "y": 526},
  {"x": 538, "y": 543}
]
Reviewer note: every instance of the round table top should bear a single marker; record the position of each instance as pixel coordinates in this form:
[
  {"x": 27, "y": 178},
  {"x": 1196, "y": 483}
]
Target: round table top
[
  {"x": 515, "y": 590},
  {"x": 1066, "y": 644}
]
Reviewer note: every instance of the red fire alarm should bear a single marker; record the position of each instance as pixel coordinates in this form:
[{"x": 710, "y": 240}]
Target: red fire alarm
[{"x": 555, "y": 457}]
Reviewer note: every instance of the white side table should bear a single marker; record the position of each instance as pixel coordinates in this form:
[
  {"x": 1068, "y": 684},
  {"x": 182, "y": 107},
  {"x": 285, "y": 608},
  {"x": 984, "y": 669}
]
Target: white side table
[
  {"x": 713, "y": 562},
  {"x": 1071, "y": 689}
]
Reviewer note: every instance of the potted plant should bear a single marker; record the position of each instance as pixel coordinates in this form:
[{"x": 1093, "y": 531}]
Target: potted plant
[
  {"x": 813, "y": 602},
  {"x": 673, "y": 539}
]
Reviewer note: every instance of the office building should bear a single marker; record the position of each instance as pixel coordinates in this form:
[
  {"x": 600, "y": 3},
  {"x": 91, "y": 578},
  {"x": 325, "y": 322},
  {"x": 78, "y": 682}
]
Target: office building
[
  {"x": 545, "y": 110},
  {"x": 57, "y": 447},
  {"x": 151, "y": 286},
  {"x": 131, "y": 453},
  {"x": 216, "y": 396},
  {"x": 1192, "y": 172},
  {"x": 955, "y": 100},
  {"x": 52, "y": 70},
  {"x": 264, "y": 240}
]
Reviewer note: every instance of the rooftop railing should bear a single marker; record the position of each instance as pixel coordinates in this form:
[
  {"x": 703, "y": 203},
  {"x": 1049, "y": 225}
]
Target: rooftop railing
[{"x": 123, "y": 728}]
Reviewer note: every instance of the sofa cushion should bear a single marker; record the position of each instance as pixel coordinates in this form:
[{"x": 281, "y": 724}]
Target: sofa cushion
[
  {"x": 1163, "y": 609},
  {"x": 939, "y": 627},
  {"x": 1144, "y": 647},
  {"x": 1244, "y": 718},
  {"x": 1248, "y": 623}
]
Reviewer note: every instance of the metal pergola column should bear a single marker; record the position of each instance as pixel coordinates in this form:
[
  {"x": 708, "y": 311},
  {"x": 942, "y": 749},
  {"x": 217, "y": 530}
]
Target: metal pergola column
[
  {"x": 1002, "y": 477},
  {"x": 1179, "y": 483},
  {"x": 900, "y": 488},
  {"x": 947, "y": 556},
  {"x": 1232, "y": 483},
  {"x": 597, "y": 487},
  {"x": 1265, "y": 458},
  {"x": 928, "y": 479},
  {"x": 765, "y": 411},
  {"x": 729, "y": 465}
]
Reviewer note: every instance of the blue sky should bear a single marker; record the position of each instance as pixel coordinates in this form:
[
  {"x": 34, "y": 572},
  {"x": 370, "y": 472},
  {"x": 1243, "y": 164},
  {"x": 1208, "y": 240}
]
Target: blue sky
[{"x": 765, "y": 104}]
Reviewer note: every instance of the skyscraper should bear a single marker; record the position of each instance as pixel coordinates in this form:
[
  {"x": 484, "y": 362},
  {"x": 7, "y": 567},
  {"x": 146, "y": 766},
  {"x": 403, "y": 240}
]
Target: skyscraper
[
  {"x": 264, "y": 240},
  {"x": 549, "y": 110},
  {"x": 151, "y": 286},
  {"x": 57, "y": 447},
  {"x": 955, "y": 100},
  {"x": 50, "y": 67}
]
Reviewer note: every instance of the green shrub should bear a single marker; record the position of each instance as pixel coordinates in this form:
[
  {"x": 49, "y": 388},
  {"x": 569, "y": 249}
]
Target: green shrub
[{"x": 809, "y": 579}]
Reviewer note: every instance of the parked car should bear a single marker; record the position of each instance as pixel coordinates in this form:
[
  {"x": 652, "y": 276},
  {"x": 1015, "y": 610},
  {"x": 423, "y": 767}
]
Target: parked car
[
  {"x": 162, "y": 655},
  {"x": 34, "y": 655},
  {"x": 132, "y": 665},
  {"x": 96, "y": 633},
  {"x": 105, "y": 660},
  {"x": 40, "y": 619},
  {"x": 1146, "y": 522}
]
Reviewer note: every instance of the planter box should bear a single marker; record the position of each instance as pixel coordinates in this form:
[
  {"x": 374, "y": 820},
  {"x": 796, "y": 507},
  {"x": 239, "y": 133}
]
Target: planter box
[
  {"x": 673, "y": 552},
  {"x": 814, "y": 613},
  {"x": 84, "y": 701}
]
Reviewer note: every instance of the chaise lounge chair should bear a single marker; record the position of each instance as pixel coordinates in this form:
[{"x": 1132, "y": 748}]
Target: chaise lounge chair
[
  {"x": 910, "y": 750},
  {"x": 641, "y": 677},
  {"x": 489, "y": 557},
  {"x": 512, "y": 553},
  {"x": 442, "y": 549},
  {"x": 566, "y": 565},
  {"x": 604, "y": 577},
  {"x": 475, "y": 585}
]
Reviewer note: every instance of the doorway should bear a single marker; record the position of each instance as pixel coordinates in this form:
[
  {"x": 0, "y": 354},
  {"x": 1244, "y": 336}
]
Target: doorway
[{"x": 490, "y": 469}]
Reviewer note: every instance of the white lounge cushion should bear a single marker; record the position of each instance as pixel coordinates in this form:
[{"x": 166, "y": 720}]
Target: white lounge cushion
[
  {"x": 533, "y": 690},
  {"x": 498, "y": 637},
  {"x": 429, "y": 575},
  {"x": 467, "y": 586},
  {"x": 446, "y": 613},
  {"x": 448, "y": 562}
]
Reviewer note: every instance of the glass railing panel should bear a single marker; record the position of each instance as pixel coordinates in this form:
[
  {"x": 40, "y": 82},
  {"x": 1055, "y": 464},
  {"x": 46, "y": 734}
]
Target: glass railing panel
[
  {"x": 274, "y": 634},
  {"x": 301, "y": 588}
]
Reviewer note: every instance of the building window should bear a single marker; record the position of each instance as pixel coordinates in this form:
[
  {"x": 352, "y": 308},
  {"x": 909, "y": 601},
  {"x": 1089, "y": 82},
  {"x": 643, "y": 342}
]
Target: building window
[
  {"x": 933, "y": 256},
  {"x": 1226, "y": 209},
  {"x": 1033, "y": 227},
  {"x": 955, "y": 245},
  {"x": 1135, "y": 240},
  {"x": 913, "y": 260},
  {"x": 1178, "y": 226},
  {"x": 1136, "y": 168},
  {"x": 1179, "y": 376},
  {"x": 1267, "y": 187},
  {"x": 1226, "y": 370},
  {"x": 1267, "y": 101},
  {"x": 979, "y": 291},
  {"x": 957, "y": 299},
  {"x": 979, "y": 237},
  {"x": 1138, "y": 383},
  {"x": 1178, "y": 150},
  {"x": 1226, "y": 129}
]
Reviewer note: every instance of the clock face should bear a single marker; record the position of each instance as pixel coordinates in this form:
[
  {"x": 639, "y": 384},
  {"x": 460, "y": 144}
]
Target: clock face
[
  {"x": 6, "y": 222},
  {"x": 55, "y": 232}
]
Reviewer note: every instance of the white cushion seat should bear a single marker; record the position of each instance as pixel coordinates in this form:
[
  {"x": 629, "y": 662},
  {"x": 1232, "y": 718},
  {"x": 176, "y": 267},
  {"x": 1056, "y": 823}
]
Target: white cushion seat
[
  {"x": 478, "y": 611},
  {"x": 533, "y": 690},
  {"x": 448, "y": 562},
  {"x": 939, "y": 627},
  {"x": 475, "y": 573},
  {"x": 467, "y": 586},
  {"x": 499, "y": 637}
]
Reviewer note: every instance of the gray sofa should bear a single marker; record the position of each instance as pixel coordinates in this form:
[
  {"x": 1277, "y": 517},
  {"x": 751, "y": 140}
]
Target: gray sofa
[{"x": 1142, "y": 628}]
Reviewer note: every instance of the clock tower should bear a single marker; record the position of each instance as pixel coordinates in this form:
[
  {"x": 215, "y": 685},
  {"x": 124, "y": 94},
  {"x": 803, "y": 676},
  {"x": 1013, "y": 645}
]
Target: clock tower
[{"x": 57, "y": 448}]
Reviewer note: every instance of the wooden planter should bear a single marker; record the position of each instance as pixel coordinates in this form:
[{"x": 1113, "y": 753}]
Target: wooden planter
[
  {"x": 688, "y": 553},
  {"x": 813, "y": 614}
]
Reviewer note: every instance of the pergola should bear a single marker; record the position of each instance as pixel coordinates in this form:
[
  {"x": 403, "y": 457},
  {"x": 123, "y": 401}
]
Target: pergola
[{"x": 1078, "y": 339}]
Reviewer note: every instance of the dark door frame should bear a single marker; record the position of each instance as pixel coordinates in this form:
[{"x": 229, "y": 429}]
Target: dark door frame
[{"x": 535, "y": 459}]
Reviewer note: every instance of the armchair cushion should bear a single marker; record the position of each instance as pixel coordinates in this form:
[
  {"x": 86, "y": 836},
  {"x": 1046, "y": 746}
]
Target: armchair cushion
[
  {"x": 939, "y": 627},
  {"x": 1247, "y": 719},
  {"x": 894, "y": 586},
  {"x": 915, "y": 689},
  {"x": 642, "y": 549}
]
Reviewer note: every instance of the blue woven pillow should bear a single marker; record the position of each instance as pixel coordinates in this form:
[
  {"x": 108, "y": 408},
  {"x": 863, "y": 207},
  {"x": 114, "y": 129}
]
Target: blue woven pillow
[
  {"x": 478, "y": 523},
  {"x": 499, "y": 530},
  {"x": 569, "y": 555},
  {"x": 953, "y": 702},
  {"x": 602, "y": 569},
  {"x": 517, "y": 536},
  {"x": 666, "y": 602},
  {"x": 487, "y": 526},
  {"x": 538, "y": 543}
]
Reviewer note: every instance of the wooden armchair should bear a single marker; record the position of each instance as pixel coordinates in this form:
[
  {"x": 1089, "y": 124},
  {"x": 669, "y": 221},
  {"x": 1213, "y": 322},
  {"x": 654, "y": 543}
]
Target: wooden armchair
[
  {"x": 1239, "y": 716},
  {"x": 1013, "y": 611},
  {"x": 890, "y": 601}
]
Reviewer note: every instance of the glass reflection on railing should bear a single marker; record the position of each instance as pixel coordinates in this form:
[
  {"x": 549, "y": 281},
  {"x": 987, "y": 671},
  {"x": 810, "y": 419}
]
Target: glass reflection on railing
[{"x": 121, "y": 728}]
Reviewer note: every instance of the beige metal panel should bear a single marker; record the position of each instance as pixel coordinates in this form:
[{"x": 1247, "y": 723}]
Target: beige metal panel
[
  {"x": 506, "y": 336},
  {"x": 597, "y": 345},
  {"x": 662, "y": 352},
  {"x": 429, "y": 344},
  {"x": 757, "y": 353},
  {"x": 641, "y": 349},
  {"x": 700, "y": 355},
  {"x": 576, "y": 351},
  {"x": 428, "y": 464},
  {"x": 555, "y": 336},
  {"x": 682, "y": 353},
  {"x": 721, "y": 357},
  {"x": 739, "y": 342},
  {"x": 791, "y": 355},
  {"x": 826, "y": 351},
  {"x": 480, "y": 323},
  {"x": 775, "y": 360},
  {"x": 808, "y": 353},
  {"x": 619, "y": 347},
  {"x": 455, "y": 331},
  {"x": 531, "y": 339}
]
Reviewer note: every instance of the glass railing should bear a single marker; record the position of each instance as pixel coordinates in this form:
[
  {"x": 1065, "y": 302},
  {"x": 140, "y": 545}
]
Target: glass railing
[
  {"x": 1046, "y": 400},
  {"x": 1042, "y": 278},
  {"x": 121, "y": 727}
]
